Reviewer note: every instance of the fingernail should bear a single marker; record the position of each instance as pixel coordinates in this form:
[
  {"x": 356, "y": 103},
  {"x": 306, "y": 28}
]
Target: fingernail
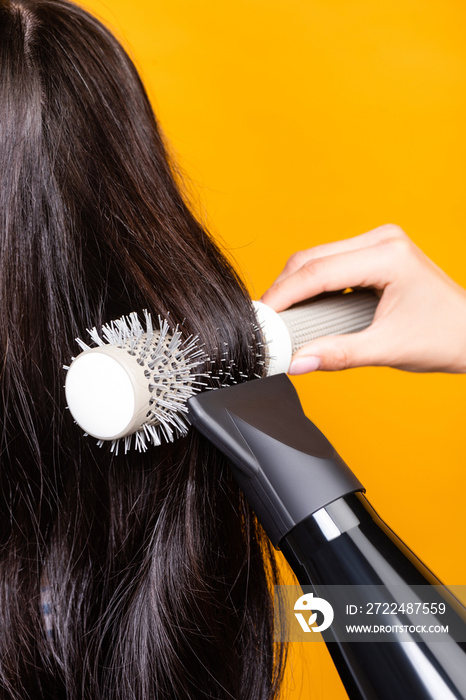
[{"x": 302, "y": 365}]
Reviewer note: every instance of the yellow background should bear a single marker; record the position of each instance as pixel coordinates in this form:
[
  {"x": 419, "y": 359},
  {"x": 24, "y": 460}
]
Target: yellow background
[{"x": 303, "y": 121}]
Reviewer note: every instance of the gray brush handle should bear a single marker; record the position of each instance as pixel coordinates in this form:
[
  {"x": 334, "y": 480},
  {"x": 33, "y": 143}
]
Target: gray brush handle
[
  {"x": 334, "y": 315},
  {"x": 288, "y": 331}
]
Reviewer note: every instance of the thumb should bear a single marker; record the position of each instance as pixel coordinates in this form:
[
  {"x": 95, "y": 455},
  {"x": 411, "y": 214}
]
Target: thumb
[{"x": 335, "y": 353}]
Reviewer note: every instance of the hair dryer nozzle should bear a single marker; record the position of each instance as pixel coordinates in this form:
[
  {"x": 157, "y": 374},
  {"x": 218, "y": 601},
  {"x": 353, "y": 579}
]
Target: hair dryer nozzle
[{"x": 286, "y": 467}]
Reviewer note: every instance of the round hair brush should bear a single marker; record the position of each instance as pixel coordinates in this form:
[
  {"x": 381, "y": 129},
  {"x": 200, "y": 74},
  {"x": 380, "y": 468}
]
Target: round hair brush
[{"x": 136, "y": 380}]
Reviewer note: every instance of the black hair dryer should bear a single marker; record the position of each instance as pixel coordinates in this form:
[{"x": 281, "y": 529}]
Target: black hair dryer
[{"x": 313, "y": 509}]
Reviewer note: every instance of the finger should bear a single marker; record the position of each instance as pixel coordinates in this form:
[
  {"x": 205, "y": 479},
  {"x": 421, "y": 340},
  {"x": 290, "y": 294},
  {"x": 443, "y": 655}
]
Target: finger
[
  {"x": 369, "y": 267},
  {"x": 377, "y": 235}
]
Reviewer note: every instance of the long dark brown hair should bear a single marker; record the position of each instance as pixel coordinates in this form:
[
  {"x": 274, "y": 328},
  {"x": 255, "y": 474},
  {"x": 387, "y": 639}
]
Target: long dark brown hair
[{"x": 138, "y": 576}]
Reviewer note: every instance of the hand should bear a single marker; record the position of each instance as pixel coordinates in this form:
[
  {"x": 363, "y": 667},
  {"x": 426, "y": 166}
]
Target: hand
[{"x": 419, "y": 324}]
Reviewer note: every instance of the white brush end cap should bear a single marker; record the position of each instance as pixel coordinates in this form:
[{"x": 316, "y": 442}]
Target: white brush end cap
[
  {"x": 277, "y": 338},
  {"x": 100, "y": 395}
]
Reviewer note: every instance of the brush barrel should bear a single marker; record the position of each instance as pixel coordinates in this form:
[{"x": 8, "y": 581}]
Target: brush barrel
[{"x": 288, "y": 331}]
